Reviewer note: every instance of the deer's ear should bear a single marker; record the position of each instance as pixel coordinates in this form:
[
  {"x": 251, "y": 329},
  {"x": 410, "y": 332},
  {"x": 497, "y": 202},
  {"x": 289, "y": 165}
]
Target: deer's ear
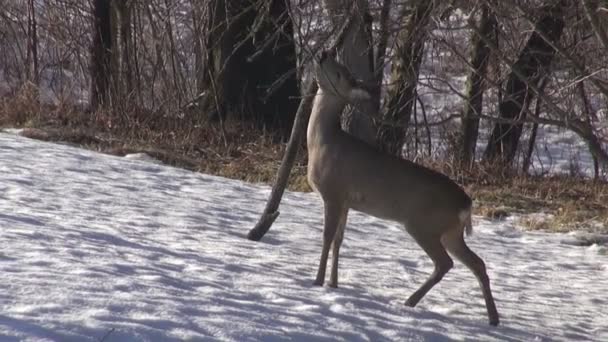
[{"x": 358, "y": 94}]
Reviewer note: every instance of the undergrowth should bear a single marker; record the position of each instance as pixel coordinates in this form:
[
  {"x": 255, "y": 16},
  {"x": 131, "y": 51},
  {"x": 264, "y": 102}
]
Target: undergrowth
[{"x": 241, "y": 151}]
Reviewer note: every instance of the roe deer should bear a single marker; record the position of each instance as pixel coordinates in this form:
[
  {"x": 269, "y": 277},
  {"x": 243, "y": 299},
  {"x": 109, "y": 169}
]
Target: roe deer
[{"x": 348, "y": 173}]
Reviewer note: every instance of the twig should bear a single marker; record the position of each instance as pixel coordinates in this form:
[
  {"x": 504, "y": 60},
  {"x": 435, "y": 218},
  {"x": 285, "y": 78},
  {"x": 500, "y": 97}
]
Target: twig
[{"x": 107, "y": 335}]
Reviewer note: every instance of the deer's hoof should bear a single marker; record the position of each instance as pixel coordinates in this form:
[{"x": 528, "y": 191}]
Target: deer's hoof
[
  {"x": 334, "y": 285},
  {"x": 494, "y": 321},
  {"x": 318, "y": 283}
]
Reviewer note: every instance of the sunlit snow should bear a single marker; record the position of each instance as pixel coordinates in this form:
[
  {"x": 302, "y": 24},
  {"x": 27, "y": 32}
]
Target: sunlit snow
[{"x": 96, "y": 247}]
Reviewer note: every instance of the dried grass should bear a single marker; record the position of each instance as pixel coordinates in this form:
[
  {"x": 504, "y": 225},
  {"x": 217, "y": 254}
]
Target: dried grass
[{"x": 241, "y": 151}]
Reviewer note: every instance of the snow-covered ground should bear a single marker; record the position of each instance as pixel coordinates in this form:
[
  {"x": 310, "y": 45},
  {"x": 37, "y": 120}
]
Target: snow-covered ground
[{"x": 96, "y": 247}]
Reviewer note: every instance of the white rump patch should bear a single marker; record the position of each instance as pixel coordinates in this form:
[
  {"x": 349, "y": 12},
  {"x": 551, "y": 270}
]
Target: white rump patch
[
  {"x": 464, "y": 215},
  {"x": 465, "y": 218}
]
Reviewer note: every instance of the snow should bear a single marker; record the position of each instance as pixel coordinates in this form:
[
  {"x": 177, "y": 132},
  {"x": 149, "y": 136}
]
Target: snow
[{"x": 96, "y": 247}]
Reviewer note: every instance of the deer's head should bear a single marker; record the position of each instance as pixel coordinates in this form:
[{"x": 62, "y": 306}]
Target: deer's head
[{"x": 335, "y": 79}]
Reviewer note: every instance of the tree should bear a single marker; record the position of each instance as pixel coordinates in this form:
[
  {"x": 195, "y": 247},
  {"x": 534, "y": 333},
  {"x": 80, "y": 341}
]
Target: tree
[
  {"x": 101, "y": 53},
  {"x": 32, "y": 49},
  {"x": 344, "y": 37},
  {"x": 124, "y": 43},
  {"x": 484, "y": 32},
  {"x": 533, "y": 63},
  {"x": 252, "y": 62},
  {"x": 405, "y": 69}
]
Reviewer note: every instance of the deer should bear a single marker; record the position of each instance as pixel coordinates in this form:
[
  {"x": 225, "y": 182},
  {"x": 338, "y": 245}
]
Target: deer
[{"x": 350, "y": 174}]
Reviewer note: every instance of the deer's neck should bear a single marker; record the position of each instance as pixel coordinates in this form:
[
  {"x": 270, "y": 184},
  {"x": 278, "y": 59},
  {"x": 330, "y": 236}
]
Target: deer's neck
[{"x": 324, "y": 121}]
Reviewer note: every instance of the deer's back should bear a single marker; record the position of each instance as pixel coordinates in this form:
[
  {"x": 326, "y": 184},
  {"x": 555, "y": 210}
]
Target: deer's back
[{"x": 383, "y": 185}]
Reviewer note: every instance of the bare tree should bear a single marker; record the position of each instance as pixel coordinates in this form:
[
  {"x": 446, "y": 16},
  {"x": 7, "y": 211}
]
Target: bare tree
[
  {"x": 32, "y": 50},
  {"x": 480, "y": 53},
  {"x": 533, "y": 63},
  {"x": 124, "y": 43},
  {"x": 252, "y": 61},
  {"x": 404, "y": 78},
  {"x": 101, "y": 54},
  {"x": 534, "y": 131}
]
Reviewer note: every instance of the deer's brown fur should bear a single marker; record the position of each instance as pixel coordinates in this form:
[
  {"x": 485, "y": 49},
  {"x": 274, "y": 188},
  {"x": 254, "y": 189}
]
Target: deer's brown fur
[{"x": 350, "y": 174}]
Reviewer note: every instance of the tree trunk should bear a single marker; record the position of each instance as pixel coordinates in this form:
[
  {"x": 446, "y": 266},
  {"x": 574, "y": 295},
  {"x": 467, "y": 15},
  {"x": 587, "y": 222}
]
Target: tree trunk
[
  {"x": 355, "y": 51},
  {"x": 589, "y": 117},
  {"x": 474, "y": 102},
  {"x": 383, "y": 37},
  {"x": 101, "y": 54},
  {"x": 532, "y": 142},
  {"x": 198, "y": 22},
  {"x": 533, "y": 63},
  {"x": 176, "y": 70},
  {"x": 32, "y": 50},
  {"x": 405, "y": 70},
  {"x": 126, "y": 63},
  {"x": 252, "y": 61},
  {"x": 584, "y": 129},
  {"x": 271, "y": 211}
]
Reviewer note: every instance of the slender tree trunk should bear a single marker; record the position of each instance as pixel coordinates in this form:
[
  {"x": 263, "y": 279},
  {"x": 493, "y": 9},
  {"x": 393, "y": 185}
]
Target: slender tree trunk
[
  {"x": 381, "y": 46},
  {"x": 532, "y": 141},
  {"x": 176, "y": 71},
  {"x": 198, "y": 22},
  {"x": 534, "y": 62},
  {"x": 101, "y": 54},
  {"x": 585, "y": 130},
  {"x": 271, "y": 211},
  {"x": 32, "y": 51},
  {"x": 475, "y": 86},
  {"x": 405, "y": 71},
  {"x": 124, "y": 16},
  {"x": 589, "y": 117}
]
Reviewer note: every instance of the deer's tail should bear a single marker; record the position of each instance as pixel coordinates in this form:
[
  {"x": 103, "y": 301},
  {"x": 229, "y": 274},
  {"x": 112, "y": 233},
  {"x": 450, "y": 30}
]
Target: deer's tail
[{"x": 465, "y": 217}]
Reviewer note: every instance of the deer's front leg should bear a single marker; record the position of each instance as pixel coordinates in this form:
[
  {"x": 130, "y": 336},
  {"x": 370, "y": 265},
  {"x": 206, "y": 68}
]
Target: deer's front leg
[
  {"x": 333, "y": 213},
  {"x": 339, "y": 236}
]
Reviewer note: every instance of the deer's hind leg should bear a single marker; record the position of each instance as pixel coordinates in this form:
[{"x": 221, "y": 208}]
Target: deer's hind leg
[
  {"x": 454, "y": 242},
  {"x": 431, "y": 244},
  {"x": 334, "y": 210}
]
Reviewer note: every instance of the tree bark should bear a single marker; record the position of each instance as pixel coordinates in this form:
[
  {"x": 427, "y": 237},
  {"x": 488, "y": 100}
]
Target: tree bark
[
  {"x": 32, "y": 51},
  {"x": 199, "y": 19},
  {"x": 405, "y": 70},
  {"x": 101, "y": 54},
  {"x": 383, "y": 37},
  {"x": 123, "y": 8},
  {"x": 589, "y": 117},
  {"x": 534, "y": 62},
  {"x": 474, "y": 102},
  {"x": 532, "y": 141}
]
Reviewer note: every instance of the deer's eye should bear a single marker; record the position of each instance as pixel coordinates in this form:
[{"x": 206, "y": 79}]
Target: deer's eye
[{"x": 338, "y": 75}]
